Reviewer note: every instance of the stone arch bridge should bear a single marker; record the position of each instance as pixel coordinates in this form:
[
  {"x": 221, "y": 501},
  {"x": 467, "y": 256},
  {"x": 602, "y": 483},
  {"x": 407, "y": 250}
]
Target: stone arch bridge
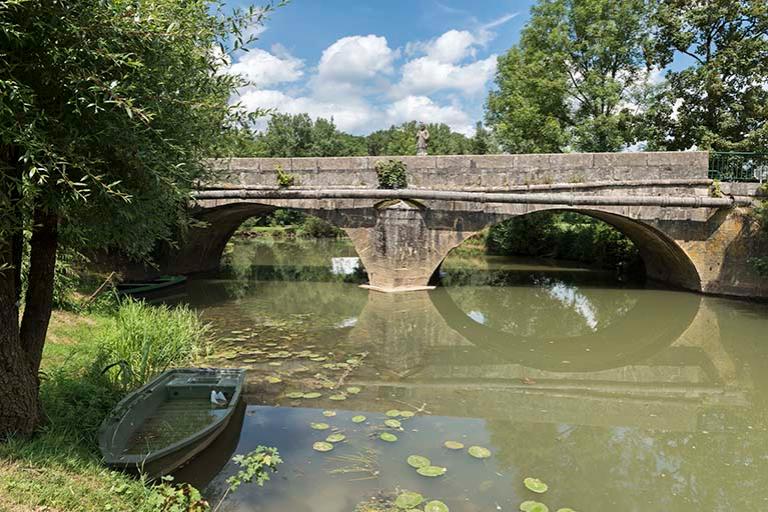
[{"x": 662, "y": 201}]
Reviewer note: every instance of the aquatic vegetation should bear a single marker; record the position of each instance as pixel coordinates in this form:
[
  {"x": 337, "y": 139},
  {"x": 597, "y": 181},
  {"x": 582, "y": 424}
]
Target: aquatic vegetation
[
  {"x": 362, "y": 462},
  {"x": 566, "y": 509},
  {"x": 431, "y": 471},
  {"x": 392, "y": 423},
  {"x": 312, "y": 395},
  {"x": 535, "y": 485},
  {"x": 274, "y": 380},
  {"x": 329, "y": 414},
  {"x": 322, "y": 446},
  {"x": 353, "y": 390},
  {"x": 479, "y": 452},
  {"x": 407, "y": 414},
  {"x": 388, "y": 437},
  {"x": 337, "y": 397},
  {"x": 417, "y": 461},
  {"x": 358, "y": 419},
  {"x": 320, "y": 426},
  {"x": 295, "y": 395},
  {"x": 453, "y": 445},
  {"x": 436, "y": 506},
  {"x": 335, "y": 438},
  {"x": 408, "y": 500},
  {"x": 533, "y": 506},
  {"x": 392, "y": 413}
]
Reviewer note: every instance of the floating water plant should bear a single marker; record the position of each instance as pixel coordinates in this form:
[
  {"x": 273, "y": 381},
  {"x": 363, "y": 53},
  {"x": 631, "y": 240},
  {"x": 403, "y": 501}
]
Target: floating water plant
[
  {"x": 431, "y": 471},
  {"x": 407, "y": 414},
  {"x": 453, "y": 445},
  {"x": 274, "y": 380},
  {"x": 392, "y": 413},
  {"x": 312, "y": 395},
  {"x": 417, "y": 461},
  {"x": 337, "y": 397},
  {"x": 353, "y": 390},
  {"x": 436, "y": 506},
  {"x": 535, "y": 485},
  {"x": 388, "y": 437},
  {"x": 335, "y": 438},
  {"x": 566, "y": 509},
  {"x": 329, "y": 414},
  {"x": 408, "y": 500},
  {"x": 358, "y": 419},
  {"x": 322, "y": 446},
  {"x": 320, "y": 426},
  {"x": 392, "y": 423},
  {"x": 533, "y": 506},
  {"x": 295, "y": 395},
  {"x": 479, "y": 452}
]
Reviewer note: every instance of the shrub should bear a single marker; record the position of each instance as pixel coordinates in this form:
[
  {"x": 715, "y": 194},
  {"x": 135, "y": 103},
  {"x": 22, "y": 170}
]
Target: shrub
[
  {"x": 391, "y": 174},
  {"x": 284, "y": 179},
  {"x": 314, "y": 227},
  {"x": 150, "y": 339}
]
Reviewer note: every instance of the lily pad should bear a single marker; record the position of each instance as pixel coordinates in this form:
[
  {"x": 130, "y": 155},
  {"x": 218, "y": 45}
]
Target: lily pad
[
  {"x": 431, "y": 471},
  {"x": 407, "y": 414},
  {"x": 535, "y": 485},
  {"x": 392, "y": 423},
  {"x": 335, "y": 438},
  {"x": 566, "y": 509},
  {"x": 274, "y": 380},
  {"x": 417, "y": 461},
  {"x": 533, "y": 506},
  {"x": 322, "y": 446},
  {"x": 392, "y": 413},
  {"x": 337, "y": 397},
  {"x": 275, "y": 363},
  {"x": 358, "y": 419},
  {"x": 312, "y": 395},
  {"x": 436, "y": 506},
  {"x": 453, "y": 445},
  {"x": 353, "y": 390},
  {"x": 408, "y": 500},
  {"x": 320, "y": 426},
  {"x": 329, "y": 414},
  {"x": 295, "y": 395},
  {"x": 479, "y": 452},
  {"x": 388, "y": 437}
]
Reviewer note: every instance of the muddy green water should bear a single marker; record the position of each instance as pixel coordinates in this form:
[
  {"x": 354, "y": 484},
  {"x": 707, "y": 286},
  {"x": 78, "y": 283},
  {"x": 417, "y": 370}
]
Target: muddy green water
[{"x": 620, "y": 397}]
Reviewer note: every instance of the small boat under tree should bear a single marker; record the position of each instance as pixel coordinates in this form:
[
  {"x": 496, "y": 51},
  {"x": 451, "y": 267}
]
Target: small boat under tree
[
  {"x": 142, "y": 288},
  {"x": 161, "y": 426}
]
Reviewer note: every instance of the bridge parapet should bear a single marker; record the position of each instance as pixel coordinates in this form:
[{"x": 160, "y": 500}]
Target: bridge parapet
[{"x": 469, "y": 171}]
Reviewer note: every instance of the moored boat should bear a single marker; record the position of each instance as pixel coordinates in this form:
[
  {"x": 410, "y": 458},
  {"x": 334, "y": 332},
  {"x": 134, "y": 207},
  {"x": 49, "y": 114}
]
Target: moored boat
[
  {"x": 162, "y": 425},
  {"x": 136, "y": 288}
]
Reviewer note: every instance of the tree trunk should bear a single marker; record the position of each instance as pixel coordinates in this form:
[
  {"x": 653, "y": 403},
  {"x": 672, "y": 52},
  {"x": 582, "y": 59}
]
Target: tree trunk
[
  {"x": 19, "y": 402},
  {"x": 39, "y": 299}
]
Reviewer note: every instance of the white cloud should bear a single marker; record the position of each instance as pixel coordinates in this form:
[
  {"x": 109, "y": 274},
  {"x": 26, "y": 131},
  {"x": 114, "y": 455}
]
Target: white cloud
[
  {"x": 356, "y": 58},
  {"x": 451, "y": 47},
  {"x": 422, "y": 108},
  {"x": 265, "y": 69},
  {"x": 426, "y": 75}
]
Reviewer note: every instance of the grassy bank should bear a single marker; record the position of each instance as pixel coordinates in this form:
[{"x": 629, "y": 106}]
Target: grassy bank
[{"x": 59, "y": 469}]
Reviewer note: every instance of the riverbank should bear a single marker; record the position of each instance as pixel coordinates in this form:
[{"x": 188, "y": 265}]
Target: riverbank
[{"x": 59, "y": 469}]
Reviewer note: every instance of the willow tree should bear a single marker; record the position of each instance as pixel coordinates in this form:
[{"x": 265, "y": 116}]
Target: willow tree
[
  {"x": 108, "y": 110},
  {"x": 571, "y": 80}
]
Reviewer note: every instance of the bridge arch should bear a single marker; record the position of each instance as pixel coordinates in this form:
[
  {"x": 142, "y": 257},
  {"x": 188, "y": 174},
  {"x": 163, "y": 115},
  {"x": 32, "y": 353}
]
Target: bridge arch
[{"x": 664, "y": 259}]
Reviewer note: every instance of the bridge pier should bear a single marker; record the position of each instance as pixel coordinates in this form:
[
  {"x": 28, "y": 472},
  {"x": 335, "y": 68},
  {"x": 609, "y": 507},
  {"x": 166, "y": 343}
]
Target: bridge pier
[{"x": 401, "y": 252}]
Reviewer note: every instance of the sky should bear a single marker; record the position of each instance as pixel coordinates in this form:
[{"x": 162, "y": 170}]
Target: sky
[{"x": 371, "y": 64}]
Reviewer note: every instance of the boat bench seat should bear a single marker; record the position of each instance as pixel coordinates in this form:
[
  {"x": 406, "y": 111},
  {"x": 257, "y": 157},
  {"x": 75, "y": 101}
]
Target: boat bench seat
[{"x": 186, "y": 386}]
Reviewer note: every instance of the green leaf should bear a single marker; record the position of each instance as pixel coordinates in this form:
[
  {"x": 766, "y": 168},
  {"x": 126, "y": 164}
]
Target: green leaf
[
  {"x": 535, "y": 485},
  {"x": 417, "y": 461}
]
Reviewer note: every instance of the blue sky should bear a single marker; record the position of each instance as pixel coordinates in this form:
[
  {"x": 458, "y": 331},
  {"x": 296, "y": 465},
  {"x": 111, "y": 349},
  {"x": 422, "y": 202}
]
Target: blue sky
[{"x": 376, "y": 63}]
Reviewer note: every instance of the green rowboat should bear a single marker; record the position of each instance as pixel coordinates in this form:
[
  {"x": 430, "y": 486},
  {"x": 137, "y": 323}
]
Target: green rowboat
[
  {"x": 161, "y": 426},
  {"x": 151, "y": 286}
]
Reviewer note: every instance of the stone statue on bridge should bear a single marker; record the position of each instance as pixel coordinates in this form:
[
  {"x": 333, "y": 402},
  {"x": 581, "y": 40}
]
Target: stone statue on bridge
[{"x": 422, "y": 140}]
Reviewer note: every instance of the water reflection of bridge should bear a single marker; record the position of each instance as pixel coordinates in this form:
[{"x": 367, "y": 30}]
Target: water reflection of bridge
[{"x": 674, "y": 373}]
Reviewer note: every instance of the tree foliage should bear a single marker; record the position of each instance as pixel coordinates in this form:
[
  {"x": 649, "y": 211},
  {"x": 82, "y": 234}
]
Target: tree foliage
[
  {"x": 570, "y": 81},
  {"x": 108, "y": 110},
  {"x": 719, "y": 101}
]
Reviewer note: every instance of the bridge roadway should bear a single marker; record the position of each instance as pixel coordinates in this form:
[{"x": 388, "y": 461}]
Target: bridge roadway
[{"x": 662, "y": 201}]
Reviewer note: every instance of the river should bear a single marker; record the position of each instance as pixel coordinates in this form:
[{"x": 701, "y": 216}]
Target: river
[{"x": 619, "y": 396}]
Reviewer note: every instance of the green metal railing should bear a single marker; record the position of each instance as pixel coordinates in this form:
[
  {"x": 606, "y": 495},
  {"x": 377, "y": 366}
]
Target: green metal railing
[{"x": 738, "y": 166}]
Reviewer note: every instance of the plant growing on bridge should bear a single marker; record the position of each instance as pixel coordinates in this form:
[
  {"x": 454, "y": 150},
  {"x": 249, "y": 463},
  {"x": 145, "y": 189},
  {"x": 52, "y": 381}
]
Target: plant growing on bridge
[
  {"x": 108, "y": 112},
  {"x": 391, "y": 174},
  {"x": 284, "y": 179}
]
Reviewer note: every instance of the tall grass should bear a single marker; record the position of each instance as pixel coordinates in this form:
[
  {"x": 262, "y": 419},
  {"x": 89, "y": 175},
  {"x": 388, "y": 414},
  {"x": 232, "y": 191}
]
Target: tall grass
[{"x": 151, "y": 339}]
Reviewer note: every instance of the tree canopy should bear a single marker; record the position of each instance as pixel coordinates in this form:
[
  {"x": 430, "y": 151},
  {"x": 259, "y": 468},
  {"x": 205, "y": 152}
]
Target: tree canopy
[{"x": 108, "y": 110}]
